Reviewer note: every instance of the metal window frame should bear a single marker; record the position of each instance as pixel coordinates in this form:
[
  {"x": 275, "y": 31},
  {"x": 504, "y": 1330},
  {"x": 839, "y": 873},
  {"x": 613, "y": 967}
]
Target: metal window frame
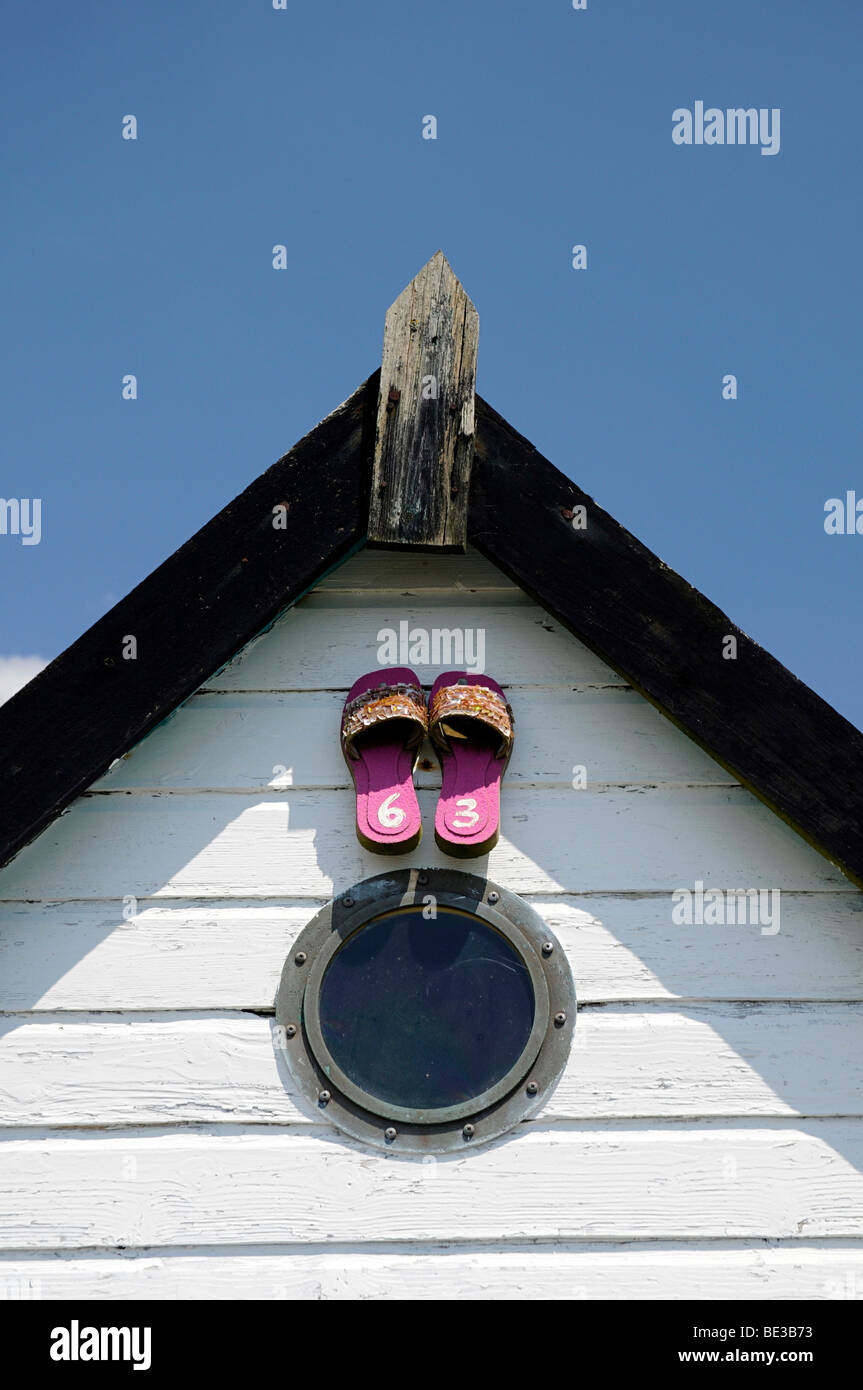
[{"x": 516, "y": 1096}]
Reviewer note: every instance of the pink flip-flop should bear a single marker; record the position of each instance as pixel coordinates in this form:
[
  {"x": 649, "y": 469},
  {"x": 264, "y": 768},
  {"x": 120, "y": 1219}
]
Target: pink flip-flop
[
  {"x": 384, "y": 722},
  {"x": 471, "y": 725}
]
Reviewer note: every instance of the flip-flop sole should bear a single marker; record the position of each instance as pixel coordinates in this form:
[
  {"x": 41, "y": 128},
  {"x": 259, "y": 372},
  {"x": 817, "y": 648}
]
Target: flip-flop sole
[
  {"x": 388, "y": 819},
  {"x": 467, "y": 818},
  {"x": 458, "y": 851},
  {"x": 378, "y": 847}
]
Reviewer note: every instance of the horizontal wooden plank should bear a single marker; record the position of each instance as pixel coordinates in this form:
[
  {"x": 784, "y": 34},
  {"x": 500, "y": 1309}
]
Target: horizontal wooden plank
[
  {"x": 416, "y": 572},
  {"x": 217, "y": 955},
  {"x": 300, "y": 844},
  {"x": 720, "y": 1270},
  {"x": 711, "y": 1180},
  {"x": 626, "y": 1062},
  {"x": 247, "y": 742},
  {"x": 732, "y": 1060},
  {"x": 324, "y": 643}
]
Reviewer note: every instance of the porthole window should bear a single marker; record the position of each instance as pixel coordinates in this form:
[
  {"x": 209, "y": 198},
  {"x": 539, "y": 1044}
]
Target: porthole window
[{"x": 424, "y": 1010}]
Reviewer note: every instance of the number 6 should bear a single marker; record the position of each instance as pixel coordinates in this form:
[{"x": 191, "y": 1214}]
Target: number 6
[{"x": 390, "y": 815}]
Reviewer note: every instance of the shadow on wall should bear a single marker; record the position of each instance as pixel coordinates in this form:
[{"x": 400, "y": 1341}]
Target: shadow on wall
[
  {"x": 601, "y": 863},
  {"x": 625, "y": 948}
]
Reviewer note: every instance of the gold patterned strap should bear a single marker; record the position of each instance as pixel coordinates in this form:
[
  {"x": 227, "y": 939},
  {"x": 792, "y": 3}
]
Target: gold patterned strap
[
  {"x": 471, "y": 702},
  {"x": 385, "y": 701}
]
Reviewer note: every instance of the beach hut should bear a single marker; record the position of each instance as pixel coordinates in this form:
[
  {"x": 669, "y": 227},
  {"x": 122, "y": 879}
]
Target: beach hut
[{"x": 245, "y": 1053}]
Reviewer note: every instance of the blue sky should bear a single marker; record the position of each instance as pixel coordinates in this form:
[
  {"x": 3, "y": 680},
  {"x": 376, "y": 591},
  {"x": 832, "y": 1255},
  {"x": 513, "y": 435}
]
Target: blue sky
[{"x": 304, "y": 127}]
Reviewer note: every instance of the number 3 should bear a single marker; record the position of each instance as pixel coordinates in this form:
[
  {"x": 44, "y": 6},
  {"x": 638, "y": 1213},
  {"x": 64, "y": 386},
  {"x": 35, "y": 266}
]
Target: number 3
[{"x": 466, "y": 819}]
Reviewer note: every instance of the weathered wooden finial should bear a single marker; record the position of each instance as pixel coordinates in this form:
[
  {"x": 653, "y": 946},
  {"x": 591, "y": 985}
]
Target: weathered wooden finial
[{"x": 425, "y": 423}]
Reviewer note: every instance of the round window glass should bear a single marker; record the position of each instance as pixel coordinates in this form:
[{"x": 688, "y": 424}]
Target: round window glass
[
  {"x": 426, "y": 1013},
  {"x": 423, "y": 1010}
]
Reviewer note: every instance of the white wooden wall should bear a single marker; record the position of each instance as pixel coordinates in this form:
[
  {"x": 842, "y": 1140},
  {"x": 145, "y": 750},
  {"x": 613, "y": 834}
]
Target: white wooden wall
[{"x": 706, "y": 1140}]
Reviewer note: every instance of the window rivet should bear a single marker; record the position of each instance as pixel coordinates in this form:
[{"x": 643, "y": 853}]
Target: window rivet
[
  {"x": 547, "y": 948},
  {"x": 291, "y": 1031},
  {"x": 422, "y": 878},
  {"x": 560, "y": 1019},
  {"x": 532, "y": 1088},
  {"x": 300, "y": 958},
  {"x": 390, "y": 1134},
  {"x": 493, "y": 897},
  {"x": 324, "y": 1097},
  {"x": 468, "y": 1131}
]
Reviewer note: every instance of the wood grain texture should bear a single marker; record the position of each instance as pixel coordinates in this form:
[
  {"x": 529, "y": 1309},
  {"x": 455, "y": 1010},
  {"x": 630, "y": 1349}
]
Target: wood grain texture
[
  {"x": 666, "y": 639},
  {"x": 249, "y": 742},
  {"x": 372, "y": 571},
  {"x": 626, "y": 1063},
  {"x": 562, "y": 1272},
  {"x": 425, "y": 418},
  {"x": 710, "y": 1180},
  {"x": 188, "y": 617},
  {"x": 303, "y": 844},
  {"x": 220, "y": 955}
]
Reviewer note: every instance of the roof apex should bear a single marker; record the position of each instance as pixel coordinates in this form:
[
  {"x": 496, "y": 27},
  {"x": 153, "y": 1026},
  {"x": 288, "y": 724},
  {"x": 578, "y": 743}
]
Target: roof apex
[{"x": 233, "y": 578}]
